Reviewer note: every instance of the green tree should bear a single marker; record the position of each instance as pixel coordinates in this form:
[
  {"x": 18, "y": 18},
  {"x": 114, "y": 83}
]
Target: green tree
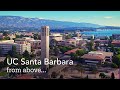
[
  {"x": 117, "y": 50},
  {"x": 32, "y": 55},
  {"x": 17, "y": 36},
  {"x": 113, "y": 49},
  {"x": 36, "y": 36},
  {"x": 13, "y": 52},
  {"x": 80, "y": 52},
  {"x": 6, "y": 38},
  {"x": 61, "y": 76},
  {"x": 87, "y": 77},
  {"x": 5, "y": 33},
  {"x": 26, "y": 55},
  {"x": 63, "y": 49},
  {"x": 90, "y": 45},
  {"x": 56, "y": 50},
  {"x": 97, "y": 44},
  {"x": 113, "y": 65},
  {"x": 80, "y": 68},
  {"x": 74, "y": 56},
  {"x": 116, "y": 60},
  {"x": 111, "y": 39},
  {"x": 0, "y": 51},
  {"x": 1, "y": 65},
  {"x": 68, "y": 36},
  {"x": 112, "y": 76},
  {"x": 5, "y": 61},
  {"x": 102, "y": 75},
  {"x": 94, "y": 70}
]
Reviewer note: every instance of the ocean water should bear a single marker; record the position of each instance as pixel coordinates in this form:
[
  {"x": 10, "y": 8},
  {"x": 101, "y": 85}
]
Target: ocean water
[{"x": 107, "y": 32}]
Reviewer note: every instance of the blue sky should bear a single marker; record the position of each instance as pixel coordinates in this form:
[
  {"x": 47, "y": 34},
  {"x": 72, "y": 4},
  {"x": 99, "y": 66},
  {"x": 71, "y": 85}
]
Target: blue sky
[{"x": 97, "y": 17}]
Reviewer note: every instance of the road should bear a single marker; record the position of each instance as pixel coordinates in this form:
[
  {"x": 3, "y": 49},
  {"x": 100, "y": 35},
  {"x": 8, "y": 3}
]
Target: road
[{"x": 75, "y": 73}]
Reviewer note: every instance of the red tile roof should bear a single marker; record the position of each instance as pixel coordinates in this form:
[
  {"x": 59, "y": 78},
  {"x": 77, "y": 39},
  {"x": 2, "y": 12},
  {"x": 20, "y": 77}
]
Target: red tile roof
[
  {"x": 93, "y": 57},
  {"x": 116, "y": 42},
  {"x": 72, "y": 51}
]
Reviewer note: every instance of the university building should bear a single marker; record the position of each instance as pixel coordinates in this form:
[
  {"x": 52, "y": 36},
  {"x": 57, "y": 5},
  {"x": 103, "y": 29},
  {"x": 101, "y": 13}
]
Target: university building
[
  {"x": 20, "y": 47},
  {"x": 97, "y": 57}
]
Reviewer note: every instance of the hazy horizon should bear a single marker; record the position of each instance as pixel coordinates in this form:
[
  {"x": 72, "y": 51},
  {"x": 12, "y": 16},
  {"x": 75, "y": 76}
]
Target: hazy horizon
[{"x": 105, "y": 18}]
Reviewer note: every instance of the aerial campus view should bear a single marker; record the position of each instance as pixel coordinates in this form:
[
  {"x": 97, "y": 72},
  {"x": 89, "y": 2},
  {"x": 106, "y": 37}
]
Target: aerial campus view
[{"x": 59, "y": 45}]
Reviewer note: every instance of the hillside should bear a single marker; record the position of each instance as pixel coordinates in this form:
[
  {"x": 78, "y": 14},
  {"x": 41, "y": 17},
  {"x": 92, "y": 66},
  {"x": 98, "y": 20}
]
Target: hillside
[{"x": 21, "y": 22}]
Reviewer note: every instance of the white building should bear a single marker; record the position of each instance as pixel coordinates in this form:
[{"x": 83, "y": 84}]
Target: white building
[
  {"x": 75, "y": 41},
  {"x": 12, "y": 36},
  {"x": 35, "y": 44},
  {"x": 56, "y": 36},
  {"x": 20, "y": 47},
  {"x": 88, "y": 37}
]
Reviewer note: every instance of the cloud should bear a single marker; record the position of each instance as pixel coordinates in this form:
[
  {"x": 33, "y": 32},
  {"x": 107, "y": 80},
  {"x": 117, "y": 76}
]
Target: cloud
[
  {"x": 40, "y": 18},
  {"x": 108, "y": 17}
]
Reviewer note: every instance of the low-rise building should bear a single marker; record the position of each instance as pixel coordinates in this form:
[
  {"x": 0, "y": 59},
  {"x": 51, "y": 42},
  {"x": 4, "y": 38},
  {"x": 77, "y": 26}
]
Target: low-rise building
[
  {"x": 101, "y": 42},
  {"x": 21, "y": 41},
  {"x": 7, "y": 45},
  {"x": 75, "y": 41},
  {"x": 97, "y": 57},
  {"x": 116, "y": 36},
  {"x": 88, "y": 37},
  {"x": 12, "y": 36},
  {"x": 35, "y": 44},
  {"x": 116, "y": 43},
  {"x": 93, "y": 59},
  {"x": 69, "y": 42},
  {"x": 56, "y": 36}
]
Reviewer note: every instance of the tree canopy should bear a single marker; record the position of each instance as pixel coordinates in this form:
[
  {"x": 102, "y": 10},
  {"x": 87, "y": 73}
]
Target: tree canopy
[
  {"x": 26, "y": 55},
  {"x": 80, "y": 52},
  {"x": 116, "y": 60},
  {"x": 13, "y": 52}
]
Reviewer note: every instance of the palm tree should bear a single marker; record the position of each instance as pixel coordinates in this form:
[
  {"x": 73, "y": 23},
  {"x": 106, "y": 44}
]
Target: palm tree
[
  {"x": 90, "y": 45},
  {"x": 80, "y": 68},
  {"x": 95, "y": 71},
  {"x": 0, "y": 51},
  {"x": 56, "y": 50},
  {"x": 102, "y": 75},
  {"x": 82, "y": 71}
]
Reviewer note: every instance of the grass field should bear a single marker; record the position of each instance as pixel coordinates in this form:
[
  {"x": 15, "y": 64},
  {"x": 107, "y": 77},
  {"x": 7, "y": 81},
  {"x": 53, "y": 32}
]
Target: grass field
[{"x": 3, "y": 73}]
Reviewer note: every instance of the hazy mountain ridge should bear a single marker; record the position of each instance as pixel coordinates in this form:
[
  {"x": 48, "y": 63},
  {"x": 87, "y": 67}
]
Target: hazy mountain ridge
[{"x": 20, "y": 22}]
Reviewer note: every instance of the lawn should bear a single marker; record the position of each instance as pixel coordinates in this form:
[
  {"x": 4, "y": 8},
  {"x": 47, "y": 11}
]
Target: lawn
[{"x": 3, "y": 73}]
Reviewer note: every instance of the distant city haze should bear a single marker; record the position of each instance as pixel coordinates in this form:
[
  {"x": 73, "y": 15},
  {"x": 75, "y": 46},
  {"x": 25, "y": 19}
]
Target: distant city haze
[{"x": 107, "y": 18}]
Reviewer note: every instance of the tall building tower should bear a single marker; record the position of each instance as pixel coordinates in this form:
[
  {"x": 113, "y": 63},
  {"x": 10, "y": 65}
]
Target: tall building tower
[{"x": 44, "y": 45}]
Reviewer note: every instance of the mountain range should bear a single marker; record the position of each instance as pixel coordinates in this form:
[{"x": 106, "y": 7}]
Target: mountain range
[{"x": 23, "y": 22}]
